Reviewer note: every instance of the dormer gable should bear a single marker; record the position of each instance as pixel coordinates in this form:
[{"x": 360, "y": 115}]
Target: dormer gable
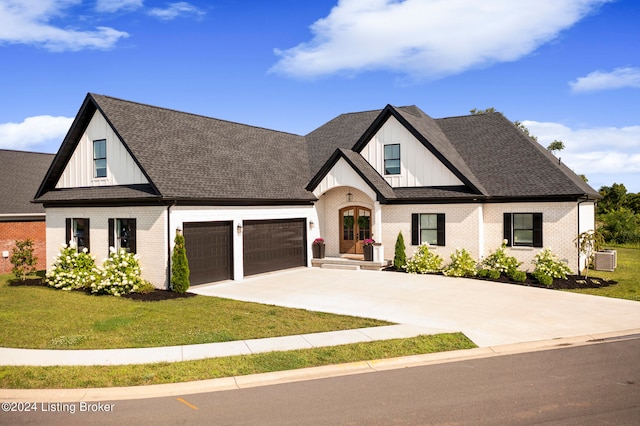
[
  {"x": 429, "y": 159},
  {"x": 100, "y": 159}
]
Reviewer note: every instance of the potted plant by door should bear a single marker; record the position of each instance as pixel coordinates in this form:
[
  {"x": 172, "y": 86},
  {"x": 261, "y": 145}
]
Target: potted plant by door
[
  {"x": 318, "y": 248},
  {"x": 367, "y": 247}
]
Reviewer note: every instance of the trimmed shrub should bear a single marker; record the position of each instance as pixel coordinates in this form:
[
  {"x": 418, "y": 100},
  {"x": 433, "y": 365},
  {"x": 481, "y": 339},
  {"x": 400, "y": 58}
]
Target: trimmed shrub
[
  {"x": 72, "y": 270},
  {"x": 491, "y": 274},
  {"x": 424, "y": 261},
  {"x": 519, "y": 276},
  {"x": 462, "y": 265},
  {"x": 179, "y": 266},
  {"x": 23, "y": 260},
  {"x": 400, "y": 258}
]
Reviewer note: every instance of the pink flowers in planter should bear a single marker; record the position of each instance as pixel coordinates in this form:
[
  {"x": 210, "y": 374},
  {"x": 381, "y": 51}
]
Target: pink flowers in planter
[
  {"x": 368, "y": 242},
  {"x": 318, "y": 241}
]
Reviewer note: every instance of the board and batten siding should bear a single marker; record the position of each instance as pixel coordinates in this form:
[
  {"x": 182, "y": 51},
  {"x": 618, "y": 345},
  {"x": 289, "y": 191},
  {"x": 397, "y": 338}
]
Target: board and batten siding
[
  {"x": 418, "y": 166},
  {"x": 121, "y": 168}
]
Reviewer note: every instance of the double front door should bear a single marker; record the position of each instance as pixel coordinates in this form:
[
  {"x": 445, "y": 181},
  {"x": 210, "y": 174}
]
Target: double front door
[{"x": 355, "y": 225}]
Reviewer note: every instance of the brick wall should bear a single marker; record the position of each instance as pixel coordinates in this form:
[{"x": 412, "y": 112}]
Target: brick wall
[
  {"x": 151, "y": 235},
  {"x": 12, "y": 231}
]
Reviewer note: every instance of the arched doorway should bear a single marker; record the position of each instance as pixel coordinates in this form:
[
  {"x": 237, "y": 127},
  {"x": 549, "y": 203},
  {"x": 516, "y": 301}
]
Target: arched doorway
[{"x": 355, "y": 226}]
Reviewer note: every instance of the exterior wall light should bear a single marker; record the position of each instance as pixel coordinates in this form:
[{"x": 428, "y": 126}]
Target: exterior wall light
[
  {"x": 239, "y": 228},
  {"x": 349, "y": 197}
]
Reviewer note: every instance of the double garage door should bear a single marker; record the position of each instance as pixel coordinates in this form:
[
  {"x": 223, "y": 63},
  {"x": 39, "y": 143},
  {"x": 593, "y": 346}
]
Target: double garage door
[{"x": 269, "y": 245}]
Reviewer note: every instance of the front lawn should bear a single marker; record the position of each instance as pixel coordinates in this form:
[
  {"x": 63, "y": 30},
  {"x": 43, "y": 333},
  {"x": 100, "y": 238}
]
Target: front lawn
[
  {"x": 627, "y": 274},
  {"x": 43, "y": 318}
]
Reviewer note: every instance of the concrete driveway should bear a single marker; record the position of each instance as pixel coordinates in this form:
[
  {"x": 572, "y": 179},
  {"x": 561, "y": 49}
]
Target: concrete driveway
[{"x": 488, "y": 313}]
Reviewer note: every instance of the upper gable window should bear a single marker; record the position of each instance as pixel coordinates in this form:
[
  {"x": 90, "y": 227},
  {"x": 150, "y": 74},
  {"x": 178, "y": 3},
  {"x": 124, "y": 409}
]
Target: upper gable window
[
  {"x": 392, "y": 159},
  {"x": 100, "y": 158}
]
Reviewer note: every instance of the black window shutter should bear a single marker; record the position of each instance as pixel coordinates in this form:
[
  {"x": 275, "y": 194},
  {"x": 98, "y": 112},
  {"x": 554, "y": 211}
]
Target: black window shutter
[
  {"x": 132, "y": 237},
  {"x": 441, "y": 239},
  {"x": 507, "y": 228},
  {"x": 415, "y": 229},
  {"x": 67, "y": 231},
  {"x": 87, "y": 236},
  {"x": 537, "y": 229},
  {"x": 112, "y": 233}
]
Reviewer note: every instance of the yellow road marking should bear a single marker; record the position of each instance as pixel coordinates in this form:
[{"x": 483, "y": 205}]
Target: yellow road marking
[{"x": 187, "y": 404}]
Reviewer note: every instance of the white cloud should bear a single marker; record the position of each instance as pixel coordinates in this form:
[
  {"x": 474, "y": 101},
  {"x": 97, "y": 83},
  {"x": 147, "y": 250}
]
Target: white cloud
[
  {"x": 175, "y": 10},
  {"x": 116, "y": 5},
  {"x": 604, "y": 154},
  {"x": 34, "y": 131},
  {"x": 27, "y": 22},
  {"x": 616, "y": 79},
  {"x": 428, "y": 38}
]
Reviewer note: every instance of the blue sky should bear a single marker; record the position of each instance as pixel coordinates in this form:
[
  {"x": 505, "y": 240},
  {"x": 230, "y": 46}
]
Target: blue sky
[{"x": 567, "y": 69}]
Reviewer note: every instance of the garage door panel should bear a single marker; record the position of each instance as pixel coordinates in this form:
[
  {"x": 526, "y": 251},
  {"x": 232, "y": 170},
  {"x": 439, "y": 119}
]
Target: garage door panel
[
  {"x": 271, "y": 245},
  {"x": 209, "y": 251}
]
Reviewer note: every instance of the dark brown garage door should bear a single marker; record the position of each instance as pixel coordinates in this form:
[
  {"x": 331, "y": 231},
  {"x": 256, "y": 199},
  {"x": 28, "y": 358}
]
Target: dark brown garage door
[
  {"x": 209, "y": 251},
  {"x": 270, "y": 245}
]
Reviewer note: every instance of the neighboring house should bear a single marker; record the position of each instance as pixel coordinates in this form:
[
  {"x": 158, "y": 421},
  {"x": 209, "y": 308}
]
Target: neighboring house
[
  {"x": 20, "y": 175},
  {"x": 251, "y": 200}
]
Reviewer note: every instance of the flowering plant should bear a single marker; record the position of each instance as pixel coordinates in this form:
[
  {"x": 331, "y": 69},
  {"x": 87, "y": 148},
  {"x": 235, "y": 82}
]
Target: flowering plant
[
  {"x": 462, "y": 265},
  {"x": 71, "y": 269},
  {"x": 548, "y": 267},
  {"x": 501, "y": 262},
  {"x": 318, "y": 241},
  {"x": 368, "y": 242},
  {"x": 424, "y": 261},
  {"x": 120, "y": 274}
]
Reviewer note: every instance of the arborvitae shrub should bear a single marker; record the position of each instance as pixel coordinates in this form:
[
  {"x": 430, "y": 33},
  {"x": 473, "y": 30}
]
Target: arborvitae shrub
[
  {"x": 179, "y": 266},
  {"x": 400, "y": 258}
]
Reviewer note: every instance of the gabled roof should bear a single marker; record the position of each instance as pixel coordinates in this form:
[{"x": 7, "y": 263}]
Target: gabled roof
[
  {"x": 20, "y": 174},
  {"x": 191, "y": 157},
  {"x": 509, "y": 163},
  {"x": 425, "y": 129}
]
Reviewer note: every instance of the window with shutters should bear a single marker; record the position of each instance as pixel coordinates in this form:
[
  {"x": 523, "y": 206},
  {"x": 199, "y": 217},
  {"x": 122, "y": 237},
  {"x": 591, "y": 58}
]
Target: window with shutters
[
  {"x": 428, "y": 228},
  {"x": 122, "y": 234},
  {"x": 77, "y": 233},
  {"x": 523, "y": 229}
]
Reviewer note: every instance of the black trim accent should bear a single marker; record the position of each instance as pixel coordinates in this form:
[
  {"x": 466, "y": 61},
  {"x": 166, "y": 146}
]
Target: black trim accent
[
  {"x": 415, "y": 229},
  {"x": 441, "y": 229},
  {"x": 112, "y": 233},
  {"x": 537, "y": 229},
  {"x": 67, "y": 230},
  {"x": 507, "y": 228}
]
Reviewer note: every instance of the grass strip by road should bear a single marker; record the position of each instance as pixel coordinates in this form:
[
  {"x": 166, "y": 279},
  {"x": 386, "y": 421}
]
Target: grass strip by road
[
  {"x": 44, "y": 318},
  {"x": 627, "y": 274},
  {"x": 150, "y": 374}
]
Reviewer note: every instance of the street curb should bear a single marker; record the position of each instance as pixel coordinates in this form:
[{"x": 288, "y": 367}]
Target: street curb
[{"x": 312, "y": 373}]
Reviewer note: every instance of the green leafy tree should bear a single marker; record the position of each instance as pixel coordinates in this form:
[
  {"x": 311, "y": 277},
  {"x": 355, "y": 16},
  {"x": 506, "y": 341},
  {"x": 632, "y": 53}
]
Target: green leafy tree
[
  {"x": 23, "y": 260},
  {"x": 633, "y": 202},
  {"x": 400, "y": 258},
  {"x": 613, "y": 197},
  {"x": 179, "y": 266},
  {"x": 476, "y": 111},
  {"x": 620, "y": 226},
  {"x": 555, "y": 147}
]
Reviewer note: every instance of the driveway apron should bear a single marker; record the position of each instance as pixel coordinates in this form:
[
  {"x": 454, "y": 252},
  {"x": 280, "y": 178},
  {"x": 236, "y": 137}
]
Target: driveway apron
[{"x": 488, "y": 313}]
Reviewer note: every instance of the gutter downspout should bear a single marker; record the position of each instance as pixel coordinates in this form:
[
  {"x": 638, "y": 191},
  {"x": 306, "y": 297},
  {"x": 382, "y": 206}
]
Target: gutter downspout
[{"x": 169, "y": 243}]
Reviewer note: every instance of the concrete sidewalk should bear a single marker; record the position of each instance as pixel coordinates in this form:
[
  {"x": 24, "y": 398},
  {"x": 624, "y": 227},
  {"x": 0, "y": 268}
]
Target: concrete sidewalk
[{"x": 50, "y": 357}]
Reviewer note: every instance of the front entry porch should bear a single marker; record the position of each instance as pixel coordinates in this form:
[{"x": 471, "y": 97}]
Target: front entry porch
[{"x": 352, "y": 262}]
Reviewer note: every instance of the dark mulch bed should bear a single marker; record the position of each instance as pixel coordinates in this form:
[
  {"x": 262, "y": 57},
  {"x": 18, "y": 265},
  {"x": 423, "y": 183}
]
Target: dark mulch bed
[
  {"x": 572, "y": 281},
  {"x": 154, "y": 296}
]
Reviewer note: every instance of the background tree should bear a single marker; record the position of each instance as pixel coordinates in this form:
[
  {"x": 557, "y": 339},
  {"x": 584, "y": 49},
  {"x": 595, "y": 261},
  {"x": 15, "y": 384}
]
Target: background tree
[
  {"x": 179, "y": 266},
  {"x": 476, "y": 111},
  {"x": 556, "y": 146},
  {"x": 23, "y": 260},
  {"x": 613, "y": 198}
]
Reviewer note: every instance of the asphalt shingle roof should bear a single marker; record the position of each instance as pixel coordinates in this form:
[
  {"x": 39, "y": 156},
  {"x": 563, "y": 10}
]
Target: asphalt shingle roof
[
  {"x": 20, "y": 175},
  {"x": 191, "y": 157}
]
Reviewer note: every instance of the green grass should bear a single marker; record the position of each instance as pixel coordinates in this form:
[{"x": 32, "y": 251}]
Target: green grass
[
  {"x": 45, "y": 318},
  {"x": 627, "y": 274},
  {"x": 149, "y": 374}
]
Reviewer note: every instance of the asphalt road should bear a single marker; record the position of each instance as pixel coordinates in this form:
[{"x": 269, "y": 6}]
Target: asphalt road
[{"x": 592, "y": 384}]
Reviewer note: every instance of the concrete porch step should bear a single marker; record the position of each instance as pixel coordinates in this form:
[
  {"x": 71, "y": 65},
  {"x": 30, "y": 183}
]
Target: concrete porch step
[
  {"x": 338, "y": 266},
  {"x": 348, "y": 264}
]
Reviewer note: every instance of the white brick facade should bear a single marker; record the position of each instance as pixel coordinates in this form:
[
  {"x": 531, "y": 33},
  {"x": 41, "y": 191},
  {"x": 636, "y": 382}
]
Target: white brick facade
[{"x": 151, "y": 235}]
